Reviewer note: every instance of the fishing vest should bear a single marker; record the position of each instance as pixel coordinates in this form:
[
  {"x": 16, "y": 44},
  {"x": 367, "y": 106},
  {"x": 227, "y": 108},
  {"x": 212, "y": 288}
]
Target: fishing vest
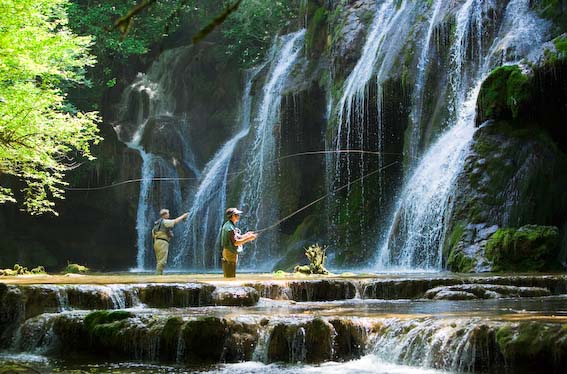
[
  {"x": 159, "y": 231},
  {"x": 226, "y": 243}
]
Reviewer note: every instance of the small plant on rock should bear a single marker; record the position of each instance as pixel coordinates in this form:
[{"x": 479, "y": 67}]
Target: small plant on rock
[{"x": 316, "y": 255}]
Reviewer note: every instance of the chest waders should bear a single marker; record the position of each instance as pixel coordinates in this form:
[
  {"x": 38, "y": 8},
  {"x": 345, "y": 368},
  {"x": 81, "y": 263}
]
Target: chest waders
[{"x": 229, "y": 250}]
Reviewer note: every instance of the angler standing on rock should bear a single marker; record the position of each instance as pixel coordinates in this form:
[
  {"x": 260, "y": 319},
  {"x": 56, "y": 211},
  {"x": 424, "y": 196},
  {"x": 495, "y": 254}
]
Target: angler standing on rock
[
  {"x": 161, "y": 232},
  {"x": 232, "y": 241}
]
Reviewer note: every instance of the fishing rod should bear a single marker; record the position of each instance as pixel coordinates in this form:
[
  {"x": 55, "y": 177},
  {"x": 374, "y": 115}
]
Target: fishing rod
[
  {"x": 236, "y": 173},
  {"x": 323, "y": 197}
]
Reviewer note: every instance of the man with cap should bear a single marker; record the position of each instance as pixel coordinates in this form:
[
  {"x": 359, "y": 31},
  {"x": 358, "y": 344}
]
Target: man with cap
[
  {"x": 162, "y": 234},
  {"x": 232, "y": 241}
]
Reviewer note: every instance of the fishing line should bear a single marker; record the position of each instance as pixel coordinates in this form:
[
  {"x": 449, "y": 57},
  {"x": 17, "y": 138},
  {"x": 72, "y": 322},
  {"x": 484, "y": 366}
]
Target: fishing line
[
  {"x": 234, "y": 174},
  {"x": 323, "y": 197}
]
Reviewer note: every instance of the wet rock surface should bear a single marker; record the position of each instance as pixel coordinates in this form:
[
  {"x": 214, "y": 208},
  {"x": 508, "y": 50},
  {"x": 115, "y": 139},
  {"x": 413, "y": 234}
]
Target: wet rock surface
[
  {"x": 483, "y": 291},
  {"x": 507, "y": 320},
  {"x": 235, "y": 296}
]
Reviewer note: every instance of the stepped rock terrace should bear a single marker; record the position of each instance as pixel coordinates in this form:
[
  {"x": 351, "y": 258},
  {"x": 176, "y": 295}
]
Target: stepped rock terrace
[{"x": 479, "y": 324}]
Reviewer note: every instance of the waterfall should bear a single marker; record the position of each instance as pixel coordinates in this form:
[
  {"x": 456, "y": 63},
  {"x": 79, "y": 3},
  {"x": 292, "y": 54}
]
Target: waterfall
[
  {"x": 150, "y": 122},
  {"x": 457, "y": 345},
  {"x": 207, "y": 212},
  {"x": 415, "y": 238},
  {"x": 388, "y": 31},
  {"x": 419, "y": 88},
  {"x": 261, "y": 208}
]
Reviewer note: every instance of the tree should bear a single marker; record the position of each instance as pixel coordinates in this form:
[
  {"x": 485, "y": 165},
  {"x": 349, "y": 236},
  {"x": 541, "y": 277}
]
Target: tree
[{"x": 41, "y": 133}]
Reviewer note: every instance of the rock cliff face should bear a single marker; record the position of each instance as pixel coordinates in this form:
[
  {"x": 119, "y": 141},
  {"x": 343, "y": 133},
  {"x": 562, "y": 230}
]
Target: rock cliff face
[
  {"x": 513, "y": 183},
  {"x": 390, "y": 77}
]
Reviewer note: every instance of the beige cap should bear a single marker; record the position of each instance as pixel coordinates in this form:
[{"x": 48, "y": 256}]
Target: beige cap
[
  {"x": 231, "y": 211},
  {"x": 163, "y": 211}
]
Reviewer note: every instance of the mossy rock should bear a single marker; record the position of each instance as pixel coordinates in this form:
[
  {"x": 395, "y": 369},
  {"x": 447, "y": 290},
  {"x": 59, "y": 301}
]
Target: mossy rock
[
  {"x": 279, "y": 347},
  {"x": 103, "y": 317},
  {"x": 204, "y": 340},
  {"x": 241, "y": 341},
  {"x": 533, "y": 344},
  {"x": 105, "y": 329},
  {"x": 460, "y": 262},
  {"x": 528, "y": 248},
  {"x": 349, "y": 340},
  {"x": 316, "y": 37},
  {"x": 76, "y": 269},
  {"x": 318, "y": 341},
  {"x": 503, "y": 94},
  {"x": 169, "y": 338}
]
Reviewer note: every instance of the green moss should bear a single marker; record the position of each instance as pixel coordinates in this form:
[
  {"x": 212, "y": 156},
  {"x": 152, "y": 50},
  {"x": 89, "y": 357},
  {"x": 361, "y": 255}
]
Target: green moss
[
  {"x": 457, "y": 261},
  {"x": 456, "y": 234},
  {"x": 460, "y": 263},
  {"x": 103, "y": 317},
  {"x": 529, "y": 248},
  {"x": 76, "y": 269},
  {"x": 533, "y": 343},
  {"x": 169, "y": 338},
  {"x": 104, "y": 328},
  {"x": 278, "y": 347},
  {"x": 561, "y": 45},
  {"x": 316, "y": 37},
  {"x": 504, "y": 93}
]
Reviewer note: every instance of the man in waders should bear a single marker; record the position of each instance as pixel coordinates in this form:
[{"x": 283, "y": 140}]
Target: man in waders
[
  {"x": 162, "y": 234},
  {"x": 232, "y": 241}
]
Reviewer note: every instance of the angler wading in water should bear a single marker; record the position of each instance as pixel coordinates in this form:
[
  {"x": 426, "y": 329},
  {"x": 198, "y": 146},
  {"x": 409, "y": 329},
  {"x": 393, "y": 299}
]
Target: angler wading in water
[
  {"x": 232, "y": 241},
  {"x": 162, "y": 234}
]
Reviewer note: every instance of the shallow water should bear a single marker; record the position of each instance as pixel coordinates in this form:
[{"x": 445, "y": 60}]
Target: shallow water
[
  {"x": 366, "y": 365},
  {"x": 434, "y": 315}
]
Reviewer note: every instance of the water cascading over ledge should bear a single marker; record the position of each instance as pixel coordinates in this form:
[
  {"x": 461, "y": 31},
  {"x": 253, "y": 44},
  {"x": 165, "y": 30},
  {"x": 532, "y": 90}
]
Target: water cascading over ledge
[
  {"x": 365, "y": 116},
  {"x": 152, "y": 119},
  {"x": 258, "y": 182},
  {"x": 416, "y": 235}
]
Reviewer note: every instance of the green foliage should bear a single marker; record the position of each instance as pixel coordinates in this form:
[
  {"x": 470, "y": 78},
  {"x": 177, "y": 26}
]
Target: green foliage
[
  {"x": 559, "y": 53},
  {"x": 529, "y": 248},
  {"x": 40, "y": 58},
  {"x": 22, "y": 270},
  {"x": 250, "y": 30},
  {"x": 96, "y": 17}
]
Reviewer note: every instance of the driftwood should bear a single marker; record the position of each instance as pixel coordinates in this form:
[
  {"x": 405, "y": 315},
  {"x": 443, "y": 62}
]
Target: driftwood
[{"x": 316, "y": 255}]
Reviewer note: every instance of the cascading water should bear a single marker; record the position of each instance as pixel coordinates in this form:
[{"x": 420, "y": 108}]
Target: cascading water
[
  {"x": 149, "y": 107},
  {"x": 389, "y": 29},
  {"x": 419, "y": 87},
  {"x": 259, "y": 178},
  {"x": 415, "y": 238},
  {"x": 207, "y": 212}
]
